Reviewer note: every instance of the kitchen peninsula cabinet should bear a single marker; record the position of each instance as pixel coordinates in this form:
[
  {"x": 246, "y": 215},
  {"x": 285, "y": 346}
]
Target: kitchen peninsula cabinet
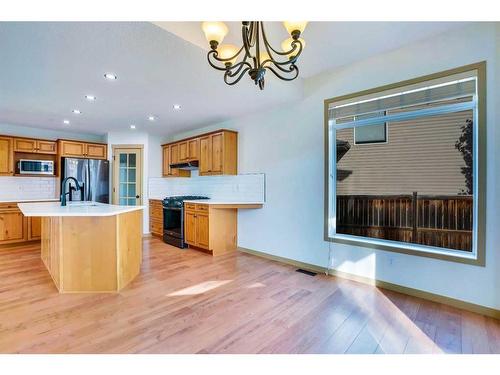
[{"x": 213, "y": 227}]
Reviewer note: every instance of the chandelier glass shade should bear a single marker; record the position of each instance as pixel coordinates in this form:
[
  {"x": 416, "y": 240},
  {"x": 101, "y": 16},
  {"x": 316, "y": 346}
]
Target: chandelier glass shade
[{"x": 256, "y": 55}]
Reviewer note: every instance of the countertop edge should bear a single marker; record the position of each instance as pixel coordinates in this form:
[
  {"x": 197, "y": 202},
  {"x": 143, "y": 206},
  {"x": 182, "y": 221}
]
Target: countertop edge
[{"x": 53, "y": 213}]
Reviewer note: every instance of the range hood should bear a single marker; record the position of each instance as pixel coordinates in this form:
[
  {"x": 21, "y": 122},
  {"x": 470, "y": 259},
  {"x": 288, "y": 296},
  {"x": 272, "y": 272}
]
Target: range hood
[{"x": 186, "y": 165}]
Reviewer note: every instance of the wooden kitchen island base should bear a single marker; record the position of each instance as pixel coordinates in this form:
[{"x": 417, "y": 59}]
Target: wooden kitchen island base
[{"x": 92, "y": 253}]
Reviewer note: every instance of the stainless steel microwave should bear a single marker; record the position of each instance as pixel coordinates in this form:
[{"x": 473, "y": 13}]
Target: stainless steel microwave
[{"x": 36, "y": 166}]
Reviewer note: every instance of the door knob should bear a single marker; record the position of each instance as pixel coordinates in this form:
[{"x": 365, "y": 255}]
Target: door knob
[{"x": 137, "y": 196}]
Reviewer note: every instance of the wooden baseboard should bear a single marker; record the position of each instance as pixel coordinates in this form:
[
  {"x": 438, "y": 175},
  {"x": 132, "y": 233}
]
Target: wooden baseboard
[
  {"x": 479, "y": 309},
  {"x": 13, "y": 245}
]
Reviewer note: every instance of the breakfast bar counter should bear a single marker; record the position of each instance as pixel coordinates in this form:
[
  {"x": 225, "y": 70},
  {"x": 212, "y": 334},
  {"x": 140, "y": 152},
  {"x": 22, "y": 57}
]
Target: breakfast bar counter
[{"x": 89, "y": 246}]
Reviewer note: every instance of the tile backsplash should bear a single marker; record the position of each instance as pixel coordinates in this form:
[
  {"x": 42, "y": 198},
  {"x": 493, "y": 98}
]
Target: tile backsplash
[
  {"x": 241, "y": 188},
  {"x": 27, "y": 188}
]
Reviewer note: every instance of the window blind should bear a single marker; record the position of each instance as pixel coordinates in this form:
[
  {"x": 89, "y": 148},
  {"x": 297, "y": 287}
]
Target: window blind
[{"x": 446, "y": 91}]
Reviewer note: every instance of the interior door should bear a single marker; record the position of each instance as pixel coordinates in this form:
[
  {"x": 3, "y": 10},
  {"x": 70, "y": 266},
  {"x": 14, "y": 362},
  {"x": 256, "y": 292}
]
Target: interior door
[{"x": 127, "y": 176}]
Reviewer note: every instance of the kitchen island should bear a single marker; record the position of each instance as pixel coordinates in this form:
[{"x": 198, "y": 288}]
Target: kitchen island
[{"x": 89, "y": 246}]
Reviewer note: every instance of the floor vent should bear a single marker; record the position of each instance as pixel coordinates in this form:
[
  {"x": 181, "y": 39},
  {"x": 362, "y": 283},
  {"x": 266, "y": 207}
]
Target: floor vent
[{"x": 306, "y": 272}]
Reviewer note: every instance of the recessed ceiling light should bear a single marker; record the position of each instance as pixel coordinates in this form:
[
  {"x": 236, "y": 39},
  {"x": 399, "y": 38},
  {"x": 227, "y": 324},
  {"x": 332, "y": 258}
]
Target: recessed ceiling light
[
  {"x": 76, "y": 112},
  {"x": 90, "y": 97},
  {"x": 177, "y": 107},
  {"x": 132, "y": 126},
  {"x": 66, "y": 122},
  {"x": 110, "y": 76},
  {"x": 151, "y": 118}
]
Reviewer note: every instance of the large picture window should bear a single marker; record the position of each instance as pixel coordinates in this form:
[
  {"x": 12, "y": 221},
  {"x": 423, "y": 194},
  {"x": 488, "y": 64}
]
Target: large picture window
[{"x": 417, "y": 191}]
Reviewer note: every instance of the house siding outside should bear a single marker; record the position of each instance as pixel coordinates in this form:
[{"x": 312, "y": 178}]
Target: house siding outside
[{"x": 420, "y": 156}]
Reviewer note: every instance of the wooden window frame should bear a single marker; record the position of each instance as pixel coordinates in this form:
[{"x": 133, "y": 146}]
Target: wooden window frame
[{"x": 480, "y": 175}]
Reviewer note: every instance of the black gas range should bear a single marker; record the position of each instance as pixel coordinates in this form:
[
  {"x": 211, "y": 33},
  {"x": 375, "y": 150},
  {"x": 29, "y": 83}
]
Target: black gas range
[{"x": 173, "y": 219}]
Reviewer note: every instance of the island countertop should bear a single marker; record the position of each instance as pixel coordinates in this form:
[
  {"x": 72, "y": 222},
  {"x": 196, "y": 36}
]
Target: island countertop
[{"x": 74, "y": 209}]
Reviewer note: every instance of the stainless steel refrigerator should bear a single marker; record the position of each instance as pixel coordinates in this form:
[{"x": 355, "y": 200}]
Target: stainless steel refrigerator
[{"x": 93, "y": 173}]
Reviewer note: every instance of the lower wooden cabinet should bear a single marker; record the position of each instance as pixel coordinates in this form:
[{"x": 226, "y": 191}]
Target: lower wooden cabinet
[
  {"x": 12, "y": 226},
  {"x": 34, "y": 228},
  {"x": 15, "y": 227},
  {"x": 211, "y": 229},
  {"x": 156, "y": 217}
]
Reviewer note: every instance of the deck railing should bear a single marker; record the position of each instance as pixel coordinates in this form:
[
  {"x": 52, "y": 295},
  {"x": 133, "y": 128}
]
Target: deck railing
[{"x": 434, "y": 220}]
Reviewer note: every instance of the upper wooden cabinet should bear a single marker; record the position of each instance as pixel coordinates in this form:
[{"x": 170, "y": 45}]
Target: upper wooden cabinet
[
  {"x": 219, "y": 153},
  {"x": 171, "y": 156},
  {"x": 189, "y": 150},
  {"x": 83, "y": 149},
  {"x": 35, "y": 146},
  {"x": 47, "y": 147},
  {"x": 216, "y": 152},
  {"x": 96, "y": 151},
  {"x": 6, "y": 156}
]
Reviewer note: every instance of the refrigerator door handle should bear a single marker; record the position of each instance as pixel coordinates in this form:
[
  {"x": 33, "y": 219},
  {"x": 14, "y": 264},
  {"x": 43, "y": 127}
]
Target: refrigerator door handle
[{"x": 89, "y": 183}]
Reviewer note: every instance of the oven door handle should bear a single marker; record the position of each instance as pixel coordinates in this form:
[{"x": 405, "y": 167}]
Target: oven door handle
[{"x": 173, "y": 208}]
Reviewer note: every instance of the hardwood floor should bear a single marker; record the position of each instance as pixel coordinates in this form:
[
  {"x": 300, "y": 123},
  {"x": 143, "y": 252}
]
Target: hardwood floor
[{"x": 186, "y": 301}]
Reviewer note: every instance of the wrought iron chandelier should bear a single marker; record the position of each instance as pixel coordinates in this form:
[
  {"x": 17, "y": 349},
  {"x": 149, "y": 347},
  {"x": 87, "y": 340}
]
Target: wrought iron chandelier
[{"x": 256, "y": 55}]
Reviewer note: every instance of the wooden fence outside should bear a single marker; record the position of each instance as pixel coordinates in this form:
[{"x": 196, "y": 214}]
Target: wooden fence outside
[{"x": 433, "y": 220}]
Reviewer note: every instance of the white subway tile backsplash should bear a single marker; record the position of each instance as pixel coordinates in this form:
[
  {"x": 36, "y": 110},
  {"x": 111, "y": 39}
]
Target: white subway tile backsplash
[
  {"x": 27, "y": 188},
  {"x": 241, "y": 188}
]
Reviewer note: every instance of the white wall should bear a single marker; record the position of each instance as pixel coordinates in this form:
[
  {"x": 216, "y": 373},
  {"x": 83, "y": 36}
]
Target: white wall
[
  {"x": 27, "y": 131},
  {"x": 134, "y": 138},
  {"x": 287, "y": 144}
]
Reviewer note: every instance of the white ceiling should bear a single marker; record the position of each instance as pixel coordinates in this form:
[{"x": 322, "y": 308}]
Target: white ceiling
[
  {"x": 46, "y": 68},
  {"x": 328, "y": 44}
]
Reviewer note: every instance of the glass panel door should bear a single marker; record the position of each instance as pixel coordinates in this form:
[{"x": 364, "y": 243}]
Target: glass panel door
[{"x": 128, "y": 177}]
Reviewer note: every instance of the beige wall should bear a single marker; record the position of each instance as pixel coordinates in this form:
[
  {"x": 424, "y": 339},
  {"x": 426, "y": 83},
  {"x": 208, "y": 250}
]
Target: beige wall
[{"x": 420, "y": 155}]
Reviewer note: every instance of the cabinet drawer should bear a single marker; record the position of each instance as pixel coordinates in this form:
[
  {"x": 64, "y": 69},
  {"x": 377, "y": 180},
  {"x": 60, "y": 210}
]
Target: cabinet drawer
[
  {"x": 156, "y": 227},
  {"x": 8, "y": 206},
  {"x": 155, "y": 203},
  {"x": 190, "y": 206},
  {"x": 156, "y": 212},
  {"x": 202, "y": 207}
]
